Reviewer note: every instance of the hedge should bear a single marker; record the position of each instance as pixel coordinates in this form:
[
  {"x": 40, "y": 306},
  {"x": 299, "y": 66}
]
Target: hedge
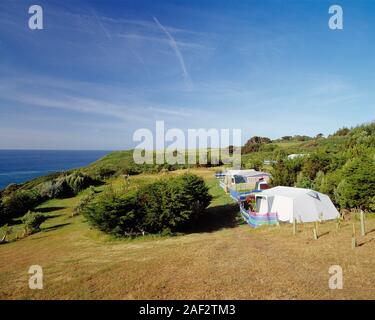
[{"x": 168, "y": 205}]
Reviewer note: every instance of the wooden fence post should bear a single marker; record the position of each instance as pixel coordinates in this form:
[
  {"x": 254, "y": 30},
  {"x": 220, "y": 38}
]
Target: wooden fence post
[
  {"x": 354, "y": 241},
  {"x": 315, "y": 234},
  {"x": 363, "y": 229}
]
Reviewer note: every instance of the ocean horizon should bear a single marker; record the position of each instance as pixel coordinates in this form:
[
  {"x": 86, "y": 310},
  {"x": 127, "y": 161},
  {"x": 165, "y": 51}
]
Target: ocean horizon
[{"x": 18, "y": 166}]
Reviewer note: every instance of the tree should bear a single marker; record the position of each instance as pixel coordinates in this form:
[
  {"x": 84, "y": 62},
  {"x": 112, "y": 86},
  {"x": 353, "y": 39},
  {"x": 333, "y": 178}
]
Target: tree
[
  {"x": 314, "y": 163},
  {"x": 286, "y": 138},
  {"x": 284, "y": 172},
  {"x": 304, "y": 182},
  {"x": 254, "y": 143},
  {"x": 115, "y": 213},
  {"x": 357, "y": 188},
  {"x": 342, "y": 132},
  {"x": 318, "y": 180},
  {"x": 257, "y": 165},
  {"x": 342, "y": 194},
  {"x": 329, "y": 183},
  {"x": 372, "y": 204},
  {"x": 230, "y": 150},
  {"x": 164, "y": 206},
  {"x": 301, "y": 138}
]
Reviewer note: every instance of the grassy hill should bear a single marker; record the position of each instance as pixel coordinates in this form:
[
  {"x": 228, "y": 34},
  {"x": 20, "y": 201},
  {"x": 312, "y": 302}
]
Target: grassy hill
[{"x": 224, "y": 259}]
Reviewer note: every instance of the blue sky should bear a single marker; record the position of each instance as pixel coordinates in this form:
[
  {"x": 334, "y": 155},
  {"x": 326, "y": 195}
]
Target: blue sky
[{"x": 102, "y": 69}]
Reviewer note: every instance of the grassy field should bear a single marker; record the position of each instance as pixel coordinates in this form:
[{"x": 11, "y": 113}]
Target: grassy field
[{"x": 224, "y": 259}]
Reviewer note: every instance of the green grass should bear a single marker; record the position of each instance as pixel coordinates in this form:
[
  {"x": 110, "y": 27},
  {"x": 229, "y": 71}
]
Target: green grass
[
  {"x": 59, "y": 211},
  {"x": 222, "y": 259}
]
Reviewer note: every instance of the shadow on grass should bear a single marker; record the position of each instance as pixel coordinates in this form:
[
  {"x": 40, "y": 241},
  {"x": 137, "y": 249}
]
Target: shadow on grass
[
  {"x": 371, "y": 231},
  {"x": 216, "y": 218},
  {"x": 365, "y": 242},
  {"x": 53, "y": 216},
  {"x": 49, "y": 209},
  {"x": 57, "y": 226},
  {"x": 14, "y": 222},
  {"x": 323, "y": 234}
]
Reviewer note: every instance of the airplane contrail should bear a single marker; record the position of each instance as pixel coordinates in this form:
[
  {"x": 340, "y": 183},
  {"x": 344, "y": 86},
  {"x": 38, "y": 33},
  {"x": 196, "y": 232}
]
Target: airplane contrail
[{"x": 175, "y": 48}]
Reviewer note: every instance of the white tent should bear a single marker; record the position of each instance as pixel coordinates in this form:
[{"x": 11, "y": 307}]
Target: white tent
[{"x": 289, "y": 203}]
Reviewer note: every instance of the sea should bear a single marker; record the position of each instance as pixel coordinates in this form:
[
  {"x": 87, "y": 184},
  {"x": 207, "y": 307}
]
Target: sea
[{"x": 17, "y": 166}]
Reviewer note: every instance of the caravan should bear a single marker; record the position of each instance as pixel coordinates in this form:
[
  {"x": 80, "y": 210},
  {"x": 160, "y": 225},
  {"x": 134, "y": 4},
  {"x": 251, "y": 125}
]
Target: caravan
[{"x": 241, "y": 183}]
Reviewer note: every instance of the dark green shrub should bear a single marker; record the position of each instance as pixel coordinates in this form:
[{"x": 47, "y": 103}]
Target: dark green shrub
[
  {"x": 2, "y": 213},
  {"x": 164, "y": 206},
  {"x": 314, "y": 163},
  {"x": 132, "y": 170},
  {"x": 18, "y": 203},
  {"x": 58, "y": 189},
  {"x": 10, "y": 189},
  {"x": 304, "y": 182},
  {"x": 105, "y": 172},
  {"x": 6, "y": 231},
  {"x": 357, "y": 188},
  {"x": 79, "y": 181},
  {"x": 284, "y": 172},
  {"x": 84, "y": 202},
  {"x": 174, "y": 204},
  {"x": 114, "y": 213},
  {"x": 66, "y": 186},
  {"x": 254, "y": 144},
  {"x": 32, "y": 222}
]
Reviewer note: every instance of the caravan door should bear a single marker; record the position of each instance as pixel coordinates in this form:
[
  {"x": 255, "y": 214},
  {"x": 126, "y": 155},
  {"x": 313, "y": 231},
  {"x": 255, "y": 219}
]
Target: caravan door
[{"x": 261, "y": 205}]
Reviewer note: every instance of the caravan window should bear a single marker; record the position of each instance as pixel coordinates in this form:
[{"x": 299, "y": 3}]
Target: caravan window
[{"x": 239, "y": 179}]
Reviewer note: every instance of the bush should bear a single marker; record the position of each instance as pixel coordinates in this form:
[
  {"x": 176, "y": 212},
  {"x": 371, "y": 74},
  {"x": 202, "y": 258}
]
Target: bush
[
  {"x": 58, "y": 189},
  {"x": 84, "y": 202},
  {"x": 173, "y": 205},
  {"x": 79, "y": 181},
  {"x": 254, "y": 144},
  {"x": 10, "y": 189},
  {"x": 114, "y": 213},
  {"x": 342, "y": 132},
  {"x": 372, "y": 204},
  {"x": 18, "y": 203},
  {"x": 329, "y": 182},
  {"x": 357, "y": 188},
  {"x": 284, "y": 172},
  {"x": 66, "y": 186},
  {"x": 314, "y": 163},
  {"x": 32, "y": 222},
  {"x": 105, "y": 172},
  {"x": 161, "y": 207},
  {"x": 2, "y": 213},
  {"x": 6, "y": 231},
  {"x": 304, "y": 182}
]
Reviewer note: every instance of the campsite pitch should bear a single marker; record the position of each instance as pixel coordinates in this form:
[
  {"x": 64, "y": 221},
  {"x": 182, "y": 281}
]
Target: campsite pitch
[{"x": 226, "y": 259}]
